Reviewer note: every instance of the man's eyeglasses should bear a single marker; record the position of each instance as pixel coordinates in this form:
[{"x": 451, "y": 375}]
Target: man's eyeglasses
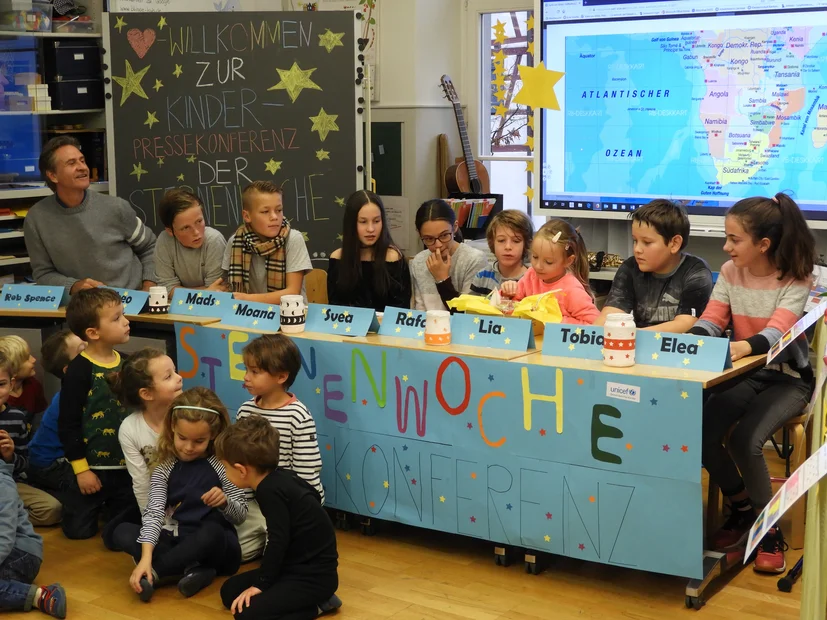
[{"x": 443, "y": 238}]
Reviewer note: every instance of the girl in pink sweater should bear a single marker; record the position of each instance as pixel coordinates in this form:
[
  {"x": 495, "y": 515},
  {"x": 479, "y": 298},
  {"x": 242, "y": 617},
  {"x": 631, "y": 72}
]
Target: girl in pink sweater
[{"x": 558, "y": 263}]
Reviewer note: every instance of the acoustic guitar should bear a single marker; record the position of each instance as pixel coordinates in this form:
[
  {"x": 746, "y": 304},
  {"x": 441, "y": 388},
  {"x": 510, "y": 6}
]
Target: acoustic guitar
[{"x": 468, "y": 175}]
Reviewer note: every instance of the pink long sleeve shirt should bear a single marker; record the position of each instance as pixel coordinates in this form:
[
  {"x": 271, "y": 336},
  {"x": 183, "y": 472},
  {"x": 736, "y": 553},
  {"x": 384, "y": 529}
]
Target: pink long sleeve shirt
[{"x": 576, "y": 305}]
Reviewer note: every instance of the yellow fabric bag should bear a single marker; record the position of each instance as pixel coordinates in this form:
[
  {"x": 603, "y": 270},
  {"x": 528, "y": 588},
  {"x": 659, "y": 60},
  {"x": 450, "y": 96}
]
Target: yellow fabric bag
[
  {"x": 474, "y": 304},
  {"x": 543, "y": 308}
]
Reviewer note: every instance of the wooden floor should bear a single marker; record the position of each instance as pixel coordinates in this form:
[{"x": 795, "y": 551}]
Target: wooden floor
[{"x": 409, "y": 574}]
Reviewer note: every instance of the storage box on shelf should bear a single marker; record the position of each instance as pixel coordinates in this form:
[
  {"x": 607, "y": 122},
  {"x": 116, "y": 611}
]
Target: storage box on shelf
[{"x": 26, "y": 15}]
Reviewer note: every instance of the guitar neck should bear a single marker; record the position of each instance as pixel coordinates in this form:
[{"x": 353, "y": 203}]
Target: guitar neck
[{"x": 466, "y": 143}]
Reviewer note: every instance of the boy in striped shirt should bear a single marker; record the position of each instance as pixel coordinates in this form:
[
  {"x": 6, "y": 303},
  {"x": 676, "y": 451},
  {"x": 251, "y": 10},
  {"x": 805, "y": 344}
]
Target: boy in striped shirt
[{"x": 272, "y": 362}]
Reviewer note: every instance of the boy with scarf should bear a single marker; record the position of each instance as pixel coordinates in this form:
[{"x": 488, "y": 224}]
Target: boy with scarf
[{"x": 265, "y": 258}]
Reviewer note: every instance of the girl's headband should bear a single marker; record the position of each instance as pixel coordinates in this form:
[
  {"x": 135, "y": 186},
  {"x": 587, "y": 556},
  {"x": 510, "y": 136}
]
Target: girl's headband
[{"x": 196, "y": 408}]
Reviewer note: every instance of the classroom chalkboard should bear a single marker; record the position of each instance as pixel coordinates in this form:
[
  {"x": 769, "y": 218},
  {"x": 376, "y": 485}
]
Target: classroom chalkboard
[{"x": 212, "y": 101}]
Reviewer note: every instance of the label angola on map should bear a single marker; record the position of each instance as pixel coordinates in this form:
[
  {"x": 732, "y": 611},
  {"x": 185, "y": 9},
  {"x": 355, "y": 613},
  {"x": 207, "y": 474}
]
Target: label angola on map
[{"x": 708, "y": 113}]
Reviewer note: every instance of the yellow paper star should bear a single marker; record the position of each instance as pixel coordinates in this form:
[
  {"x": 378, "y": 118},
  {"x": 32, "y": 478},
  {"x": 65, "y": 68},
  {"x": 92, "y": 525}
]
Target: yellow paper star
[
  {"x": 686, "y": 361},
  {"x": 529, "y": 166},
  {"x": 347, "y": 330},
  {"x": 189, "y": 307},
  {"x": 180, "y": 177},
  {"x": 499, "y": 56},
  {"x": 499, "y": 27},
  {"x": 529, "y": 193},
  {"x": 255, "y": 322},
  {"x": 272, "y": 166},
  {"x": 318, "y": 390},
  {"x": 191, "y": 159},
  {"x": 269, "y": 308},
  {"x": 684, "y": 395},
  {"x": 217, "y": 302},
  {"x": 531, "y": 121},
  {"x": 547, "y": 538},
  {"x": 138, "y": 170},
  {"x": 701, "y": 342},
  {"x": 404, "y": 377},
  {"x": 529, "y": 142},
  {"x": 294, "y": 80},
  {"x": 346, "y": 313},
  {"x": 538, "y": 87},
  {"x": 654, "y": 356},
  {"x": 335, "y": 326},
  {"x": 329, "y": 40},
  {"x": 162, "y": 22},
  {"x": 180, "y": 301},
  {"x": 386, "y": 484},
  {"x": 579, "y": 330},
  {"x": 419, "y": 333},
  {"x": 471, "y": 336},
  {"x": 324, "y": 311},
  {"x": 508, "y": 341},
  {"x": 200, "y": 295},
  {"x": 442, "y": 498},
  {"x": 235, "y": 306},
  {"x": 347, "y": 476},
  {"x": 120, "y": 24},
  {"x": 410, "y": 313},
  {"x": 324, "y": 123},
  {"x": 499, "y": 80},
  {"x": 160, "y": 161},
  {"x": 340, "y": 201},
  {"x": 322, "y": 154},
  {"x": 571, "y": 347},
  {"x": 657, "y": 335},
  {"x": 501, "y": 110},
  {"x": 131, "y": 83},
  {"x": 178, "y": 71},
  {"x": 476, "y": 320},
  {"x": 151, "y": 119},
  {"x": 529, "y": 23},
  {"x": 158, "y": 85}
]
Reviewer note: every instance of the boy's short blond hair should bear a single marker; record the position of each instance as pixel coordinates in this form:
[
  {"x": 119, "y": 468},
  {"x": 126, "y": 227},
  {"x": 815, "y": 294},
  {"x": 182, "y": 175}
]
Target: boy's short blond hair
[
  {"x": 16, "y": 351},
  {"x": 514, "y": 220},
  {"x": 7, "y": 366},
  {"x": 262, "y": 187}
]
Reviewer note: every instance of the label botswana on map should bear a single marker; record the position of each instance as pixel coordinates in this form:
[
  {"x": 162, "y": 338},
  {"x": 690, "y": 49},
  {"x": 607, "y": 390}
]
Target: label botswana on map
[{"x": 718, "y": 113}]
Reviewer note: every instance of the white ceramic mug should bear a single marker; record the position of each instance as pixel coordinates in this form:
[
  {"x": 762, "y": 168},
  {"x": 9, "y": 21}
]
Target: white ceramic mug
[
  {"x": 619, "y": 340},
  {"x": 293, "y": 312},
  {"x": 158, "y": 299},
  {"x": 437, "y": 327}
]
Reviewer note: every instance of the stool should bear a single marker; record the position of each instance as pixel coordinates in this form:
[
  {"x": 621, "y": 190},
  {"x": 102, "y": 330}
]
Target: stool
[{"x": 794, "y": 456}]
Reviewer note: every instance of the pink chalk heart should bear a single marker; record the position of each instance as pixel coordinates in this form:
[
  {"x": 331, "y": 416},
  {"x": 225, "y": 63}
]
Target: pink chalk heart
[{"x": 141, "y": 41}]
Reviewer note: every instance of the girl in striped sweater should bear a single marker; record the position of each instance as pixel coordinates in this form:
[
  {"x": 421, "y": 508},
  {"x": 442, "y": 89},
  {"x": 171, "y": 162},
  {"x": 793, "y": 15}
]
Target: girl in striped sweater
[
  {"x": 188, "y": 522},
  {"x": 762, "y": 292}
]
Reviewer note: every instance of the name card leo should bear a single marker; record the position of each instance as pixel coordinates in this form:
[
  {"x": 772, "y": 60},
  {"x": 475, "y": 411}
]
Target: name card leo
[
  {"x": 133, "y": 301},
  {"x": 403, "y": 323},
  {"x": 32, "y": 297},
  {"x": 685, "y": 351},
  {"x": 583, "y": 342},
  {"x": 252, "y": 314},
  {"x": 340, "y": 320},
  {"x": 212, "y": 304},
  {"x": 492, "y": 331}
]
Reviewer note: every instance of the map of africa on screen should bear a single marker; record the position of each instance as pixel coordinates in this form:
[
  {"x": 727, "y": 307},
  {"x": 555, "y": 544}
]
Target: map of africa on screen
[{"x": 717, "y": 113}]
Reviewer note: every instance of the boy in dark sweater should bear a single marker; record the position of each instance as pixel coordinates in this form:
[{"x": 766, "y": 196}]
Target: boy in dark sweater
[
  {"x": 298, "y": 576},
  {"x": 90, "y": 416}
]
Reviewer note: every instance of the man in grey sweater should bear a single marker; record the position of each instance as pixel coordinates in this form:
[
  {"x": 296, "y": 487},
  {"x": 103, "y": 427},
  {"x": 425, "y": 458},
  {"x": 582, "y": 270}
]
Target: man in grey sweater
[{"x": 79, "y": 238}]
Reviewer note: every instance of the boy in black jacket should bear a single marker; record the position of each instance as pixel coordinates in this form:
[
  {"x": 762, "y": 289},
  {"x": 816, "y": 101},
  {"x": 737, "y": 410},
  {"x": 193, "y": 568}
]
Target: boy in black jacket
[{"x": 298, "y": 576}]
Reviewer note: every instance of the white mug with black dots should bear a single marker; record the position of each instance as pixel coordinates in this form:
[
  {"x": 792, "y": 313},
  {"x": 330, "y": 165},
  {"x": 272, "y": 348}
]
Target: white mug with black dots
[
  {"x": 158, "y": 300},
  {"x": 293, "y": 312}
]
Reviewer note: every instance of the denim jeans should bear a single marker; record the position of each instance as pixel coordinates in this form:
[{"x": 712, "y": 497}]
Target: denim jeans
[{"x": 17, "y": 572}]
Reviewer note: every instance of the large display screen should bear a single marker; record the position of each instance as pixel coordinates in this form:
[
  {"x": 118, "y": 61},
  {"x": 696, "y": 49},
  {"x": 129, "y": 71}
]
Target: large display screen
[{"x": 703, "y": 102}]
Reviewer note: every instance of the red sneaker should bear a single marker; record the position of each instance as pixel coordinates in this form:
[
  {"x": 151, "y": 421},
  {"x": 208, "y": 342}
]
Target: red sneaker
[
  {"x": 734, "y": 532},
  {"x": 770, "y": 558}
]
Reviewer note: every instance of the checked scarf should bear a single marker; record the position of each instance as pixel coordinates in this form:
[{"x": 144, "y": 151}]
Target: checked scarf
[{"x": 245, "y": 244}]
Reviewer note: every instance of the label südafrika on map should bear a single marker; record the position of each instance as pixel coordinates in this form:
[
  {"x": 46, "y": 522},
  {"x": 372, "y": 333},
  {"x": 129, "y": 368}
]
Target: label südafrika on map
[{"x": 743, "y": 109}]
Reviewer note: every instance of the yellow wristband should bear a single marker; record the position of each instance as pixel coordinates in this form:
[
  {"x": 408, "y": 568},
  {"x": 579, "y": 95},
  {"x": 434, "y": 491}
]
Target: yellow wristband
[{"x": 79, "y": 466}]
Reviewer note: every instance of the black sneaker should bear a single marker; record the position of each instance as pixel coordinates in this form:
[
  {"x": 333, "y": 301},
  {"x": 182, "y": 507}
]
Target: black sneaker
[
  {"x": 195, "y": 580},
  {"x": 734, "y": 532},
  {"x": 330, "y": 605}
]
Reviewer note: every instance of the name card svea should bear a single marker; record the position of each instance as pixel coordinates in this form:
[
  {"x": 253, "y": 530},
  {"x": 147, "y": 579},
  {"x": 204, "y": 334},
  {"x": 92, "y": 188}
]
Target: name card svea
[
  {"x": 685, "y": 351},
  {"x": 340, "y": 320},
  {"x": 252, "y": 314},
  {"x": 201, "y": 303},
  {"x": 32, "y": 297},
  {"x": 496, "y": 332},
  {"x": 583, "y": 342},
  {"x": 403, "y": 323},
  {"x": 133, "y": 301}
]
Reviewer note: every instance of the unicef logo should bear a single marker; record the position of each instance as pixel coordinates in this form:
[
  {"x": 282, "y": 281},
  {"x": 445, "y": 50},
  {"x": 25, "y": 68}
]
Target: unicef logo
[{"x": 632, "y": 392}]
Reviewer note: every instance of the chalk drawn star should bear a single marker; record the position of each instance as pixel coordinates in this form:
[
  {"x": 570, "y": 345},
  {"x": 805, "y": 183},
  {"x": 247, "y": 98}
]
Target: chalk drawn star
[
  {"x": 657, "y": 335},
  {"x": 581, "y": 546},
  {"x": 471, "y": 336},
  {"x": 404, "y": 377},
  {"x": 665, "y": 447},
  {"x": 340, "y": 201},
  {"x": 470, "y": 426},
  {"x": 178, "y": 71},
  {"x": 318, "y": 390},
  {"x": 548, "y": 515},
  {"x": 322, "y": 154},
  {"x": 407, "y": 468},
  {"x": 272, "y": 166},
  {"x": 419, "y": 333},
  {"x": 386, "y": 484},
  {"x": 364, "y": 404},
  {"x": 542, "y": 432},
  {"x": 654, "y": 402},
  {"x": 442, "y": 498},
  {"x": 294, "y": 80},
  {"x": 547, "y": 538},
  {"x": 329, "y": 40},
  {"x": 654, "y": 356},
  {"x": 490, "y": 377},
  {"x": 684, "y": 395},
  {"x": 508, "y": 506},
  {"x": 137, "y": 171},
  {"x": 339, "y": 237},
  {"x": 686, "y": 361},
  {"x": 508, "y": 341},
  {"x": 398, "y": 329},
  {"x": 476, "y": 320},
  {"x": 162, "y": 22},
  {"x": 120, "y": 24},
  {"x": 324, "y": 123},
  {"x": 158, "y": 85},
  {"x": 473, "y": 519},
  {"x": 191, "y": 159},
  {"x": 404, "y": 448},
  {"x": 131, "y": 82},
  {"x": 413, "y": 481},
  {"x": 160, "y": 161},
  {"x": 571, "y": 347},
  {"x": 684, "y": 449},
  {"x": 347, "y": 476}
]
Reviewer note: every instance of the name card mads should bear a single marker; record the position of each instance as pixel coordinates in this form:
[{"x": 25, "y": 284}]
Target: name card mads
[
  {"x": 584, "y": 342},
  {"x": 683, "y": 351},
  {"x": 403, "y": 323},
  {"x": 32, "y": 297},
  {"x": 492, "y": 331},
  {"x": 201, "y": 303},
  {"x": 340, "y": 320},
  {"x": 133, "y": 301},
  {"x": 252, "y": 314}
]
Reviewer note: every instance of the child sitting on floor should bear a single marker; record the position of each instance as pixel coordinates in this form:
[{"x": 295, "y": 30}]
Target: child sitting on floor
[
  {"x": 298, "y": 576},
  {"x": 26, "y": 392}
]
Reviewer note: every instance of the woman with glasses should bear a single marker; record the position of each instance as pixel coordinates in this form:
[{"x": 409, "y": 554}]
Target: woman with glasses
[
  {"x": 369, "y": 271},
  {"x": 446, "y": 268},
  {"x": 189, "y": 253}
]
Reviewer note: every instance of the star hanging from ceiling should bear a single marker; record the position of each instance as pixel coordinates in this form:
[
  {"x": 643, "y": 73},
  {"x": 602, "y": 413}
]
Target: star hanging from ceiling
[
  {"x": 329, "y": 40},
  {"x": 324, "y": 123},
  {"x": 131, "y": 83},
  {"x": 294, "y": 81}
]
